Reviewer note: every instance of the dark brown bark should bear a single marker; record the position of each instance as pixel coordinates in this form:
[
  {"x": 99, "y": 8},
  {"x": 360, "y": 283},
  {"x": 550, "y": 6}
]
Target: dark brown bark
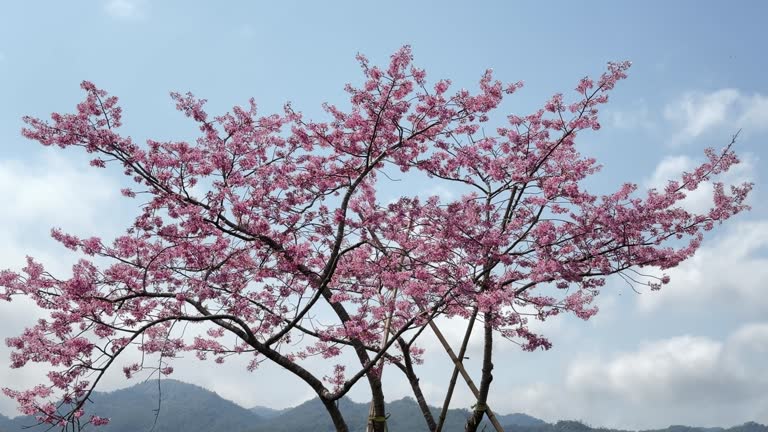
[
  {"x": 377, "y": 421},
  {"x": 336, "y": 417},
  {"x": 414, "y": 381},
  {"x": 485, "y": 382}
]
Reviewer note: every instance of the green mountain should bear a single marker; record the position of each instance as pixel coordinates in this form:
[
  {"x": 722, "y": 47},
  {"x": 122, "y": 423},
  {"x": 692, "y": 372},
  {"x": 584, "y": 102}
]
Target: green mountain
[
  {"x": 189, "y": 408},
  {"x": 184, "y": 408}
]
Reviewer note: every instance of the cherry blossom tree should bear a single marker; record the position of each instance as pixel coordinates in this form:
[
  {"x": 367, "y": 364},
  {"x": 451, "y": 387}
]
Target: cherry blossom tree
[{"x": 265, "y": 223}]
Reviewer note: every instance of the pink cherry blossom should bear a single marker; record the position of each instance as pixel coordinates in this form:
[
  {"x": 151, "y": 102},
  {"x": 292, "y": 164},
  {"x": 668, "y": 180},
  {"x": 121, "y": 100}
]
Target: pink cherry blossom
[{"x": 249, "y": 230}]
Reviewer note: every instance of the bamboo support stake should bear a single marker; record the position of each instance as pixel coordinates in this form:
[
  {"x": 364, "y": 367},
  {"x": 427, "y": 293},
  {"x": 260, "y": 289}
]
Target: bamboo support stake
[{"x": 465, "y": 375}]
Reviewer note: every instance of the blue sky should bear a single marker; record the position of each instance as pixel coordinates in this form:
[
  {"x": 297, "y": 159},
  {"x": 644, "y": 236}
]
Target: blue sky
[{"x": 689, "y": 354}]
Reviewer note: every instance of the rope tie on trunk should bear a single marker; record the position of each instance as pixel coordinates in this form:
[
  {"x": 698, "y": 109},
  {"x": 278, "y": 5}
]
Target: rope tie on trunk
[{"x": 380, "y": 419}]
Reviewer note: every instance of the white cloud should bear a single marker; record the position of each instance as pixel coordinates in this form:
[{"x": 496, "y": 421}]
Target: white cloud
[
  {"x": 681, "y": 380},
  {"x": 755, "y": 114},
  {"x": 53, "y": 190},
  {"x": 125, "y": 9},
  {"x": 754, "y": 336},
  {"x": 730, "y": 271},
  {"x": 697, "y": 113},
  {"x": 749, "y": 348},
  {"x": 657, "y": 370}
]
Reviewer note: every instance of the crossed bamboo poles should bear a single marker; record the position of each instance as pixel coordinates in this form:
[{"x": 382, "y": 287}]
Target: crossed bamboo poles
[{"x": 457, "y": 369}]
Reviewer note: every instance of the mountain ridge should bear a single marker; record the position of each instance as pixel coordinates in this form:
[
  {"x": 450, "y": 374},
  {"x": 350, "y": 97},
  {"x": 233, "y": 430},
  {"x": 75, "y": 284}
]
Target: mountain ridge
[{"x": 188, "y": 407}]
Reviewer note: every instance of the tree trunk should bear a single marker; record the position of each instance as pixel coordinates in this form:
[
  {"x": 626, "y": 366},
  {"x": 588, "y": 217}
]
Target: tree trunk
[
  {"x": 336, "y": 416},
  {"x": 485, "y": 382},
  {"x": 414, "y": 381},
  {"x": 377, "y": 417}
]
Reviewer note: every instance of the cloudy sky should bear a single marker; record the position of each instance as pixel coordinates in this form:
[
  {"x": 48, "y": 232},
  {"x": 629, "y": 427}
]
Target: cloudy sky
[{"x": 690, "y": 354}]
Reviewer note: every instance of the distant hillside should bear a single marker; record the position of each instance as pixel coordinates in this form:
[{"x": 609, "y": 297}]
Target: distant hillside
[
  {"x": 574, "y": 426},
  {"x": 404, "y": 415},
  {"x": 266, "y": 412},
  {"x": 518, "y": 419},
  {"x": 6, "y": 424},
  {"x": 189, "y": 408},
  {"x": 185, "y": 408}
]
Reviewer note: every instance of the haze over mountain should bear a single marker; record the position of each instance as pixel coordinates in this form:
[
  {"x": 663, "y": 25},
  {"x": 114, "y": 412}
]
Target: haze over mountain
[{"x": 189, "y": 408}]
